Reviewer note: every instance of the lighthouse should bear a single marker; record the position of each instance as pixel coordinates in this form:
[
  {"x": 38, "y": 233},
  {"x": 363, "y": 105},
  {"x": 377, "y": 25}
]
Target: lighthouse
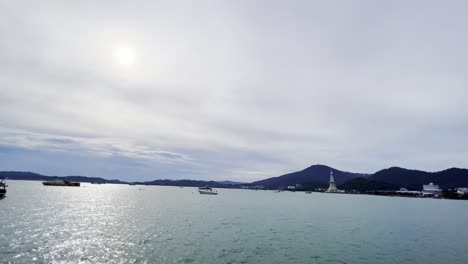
[{"x": 332, "y": 187}]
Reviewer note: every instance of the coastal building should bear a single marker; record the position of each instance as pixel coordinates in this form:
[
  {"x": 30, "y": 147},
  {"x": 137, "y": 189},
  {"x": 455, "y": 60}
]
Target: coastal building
[
  {"x": 332, "y": 187},
  {"x": 406, "y": 192},
  {"x": 255, "y": 187},
  {"x": 462, "y": 191},
  {"x": 431, "y": 189}
]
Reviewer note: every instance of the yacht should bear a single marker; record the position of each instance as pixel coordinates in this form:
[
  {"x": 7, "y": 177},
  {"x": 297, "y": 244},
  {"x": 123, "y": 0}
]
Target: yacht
[
  {"x": 2, "y": 189},
  {"x": 61, "y": 183},
  {"x": 207, "y": 190}
]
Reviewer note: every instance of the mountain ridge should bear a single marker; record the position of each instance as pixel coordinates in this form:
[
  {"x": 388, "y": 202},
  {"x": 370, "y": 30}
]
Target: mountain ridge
[
  {"x": 315, "y": 176},
  {"x": 414, "y": 179},
  {"x": 32, "y": 176}
]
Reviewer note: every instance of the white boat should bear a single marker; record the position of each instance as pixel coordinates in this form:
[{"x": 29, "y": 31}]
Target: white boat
[{"x": 207, "y": 190}]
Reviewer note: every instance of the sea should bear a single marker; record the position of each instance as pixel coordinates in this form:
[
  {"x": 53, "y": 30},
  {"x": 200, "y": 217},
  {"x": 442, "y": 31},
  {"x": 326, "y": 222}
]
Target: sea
[{"x": 156, "y": 224}]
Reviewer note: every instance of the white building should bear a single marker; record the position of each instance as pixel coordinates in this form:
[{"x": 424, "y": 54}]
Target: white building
[
  {"x": 431, "y": 189},
  {"x": 462, "y": 191}
]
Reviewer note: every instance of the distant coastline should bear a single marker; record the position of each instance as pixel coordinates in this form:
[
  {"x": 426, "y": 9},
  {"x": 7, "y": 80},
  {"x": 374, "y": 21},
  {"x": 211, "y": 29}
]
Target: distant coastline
[
  {"x": 31, "y": 176},
  {"x": 314, "y": 178}
]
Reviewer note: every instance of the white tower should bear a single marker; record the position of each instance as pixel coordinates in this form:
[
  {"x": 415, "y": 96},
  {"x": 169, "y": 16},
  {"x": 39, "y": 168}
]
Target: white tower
[{"x": 332, "y": 187}]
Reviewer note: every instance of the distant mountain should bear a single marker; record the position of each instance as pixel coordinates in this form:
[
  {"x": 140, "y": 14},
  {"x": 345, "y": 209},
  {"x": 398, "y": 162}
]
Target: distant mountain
[
  {"x": 231, "y": 182},
  {"x": 31, "y": 176},
  {"x": 188, "y": 183},
  {"x": 316, "y": 175},
  {"x": 414, "y": 179},
  {"x": 365, "y": 185},
  {"x": 388, "y": 179}
]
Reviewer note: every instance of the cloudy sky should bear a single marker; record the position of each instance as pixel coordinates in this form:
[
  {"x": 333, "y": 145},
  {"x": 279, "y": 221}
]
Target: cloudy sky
[{"x": 239, "y": 90}]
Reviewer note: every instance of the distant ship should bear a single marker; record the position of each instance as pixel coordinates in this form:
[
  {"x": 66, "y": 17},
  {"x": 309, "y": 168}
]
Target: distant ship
[
  {"x": 61, "y": 183},
  {"x": 207, "y": 190}
]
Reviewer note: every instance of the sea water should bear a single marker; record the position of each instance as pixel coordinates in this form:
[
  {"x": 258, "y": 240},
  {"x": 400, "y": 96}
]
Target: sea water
[{"x": 151, "y": 224}]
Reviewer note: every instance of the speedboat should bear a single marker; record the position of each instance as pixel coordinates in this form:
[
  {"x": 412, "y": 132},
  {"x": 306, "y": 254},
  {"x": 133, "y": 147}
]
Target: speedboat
[
  {"x": 61, "y": 183},
  {"x": 207, "y": 190},
  {"x": 2, "y": 189}
]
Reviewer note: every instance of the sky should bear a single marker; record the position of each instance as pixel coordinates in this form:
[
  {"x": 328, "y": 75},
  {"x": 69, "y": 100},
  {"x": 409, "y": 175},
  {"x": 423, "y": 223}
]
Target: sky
[{"x": 231, "y": 90}]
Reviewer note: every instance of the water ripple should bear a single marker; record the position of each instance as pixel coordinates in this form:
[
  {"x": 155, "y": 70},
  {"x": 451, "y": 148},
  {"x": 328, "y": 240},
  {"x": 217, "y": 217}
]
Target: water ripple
[{"x": 120, "y": 224}]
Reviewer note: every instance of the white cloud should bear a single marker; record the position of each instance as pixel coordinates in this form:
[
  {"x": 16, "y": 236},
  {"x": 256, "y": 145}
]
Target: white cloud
[
  {"x": 234, "y": 87},
  {"x": 92, "y": 146}
]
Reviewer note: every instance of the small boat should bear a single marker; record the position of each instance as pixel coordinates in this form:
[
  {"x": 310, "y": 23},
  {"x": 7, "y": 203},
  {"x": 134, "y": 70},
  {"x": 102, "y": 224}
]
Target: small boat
[
  {"x": 308, "y": 192},
  {"x": 61, "y": 183},
  {"x": 207, "y": 190},
  {"x": 2, "y": 189}
]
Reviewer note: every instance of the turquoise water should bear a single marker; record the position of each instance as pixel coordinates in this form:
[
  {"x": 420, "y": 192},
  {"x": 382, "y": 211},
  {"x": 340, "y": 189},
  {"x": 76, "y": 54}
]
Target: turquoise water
[{"x": 149, "y": 224}]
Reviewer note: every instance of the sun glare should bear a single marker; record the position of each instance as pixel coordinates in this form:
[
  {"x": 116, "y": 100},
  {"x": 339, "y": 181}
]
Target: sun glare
[{"x": 124, "y": 56}]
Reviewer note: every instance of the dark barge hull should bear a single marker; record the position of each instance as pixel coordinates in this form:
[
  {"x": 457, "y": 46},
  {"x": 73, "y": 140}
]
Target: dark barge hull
[{"x": 71, "y": 184}]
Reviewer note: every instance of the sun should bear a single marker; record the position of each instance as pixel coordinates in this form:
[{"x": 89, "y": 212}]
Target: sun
[{"x": 125, "y": 56}]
